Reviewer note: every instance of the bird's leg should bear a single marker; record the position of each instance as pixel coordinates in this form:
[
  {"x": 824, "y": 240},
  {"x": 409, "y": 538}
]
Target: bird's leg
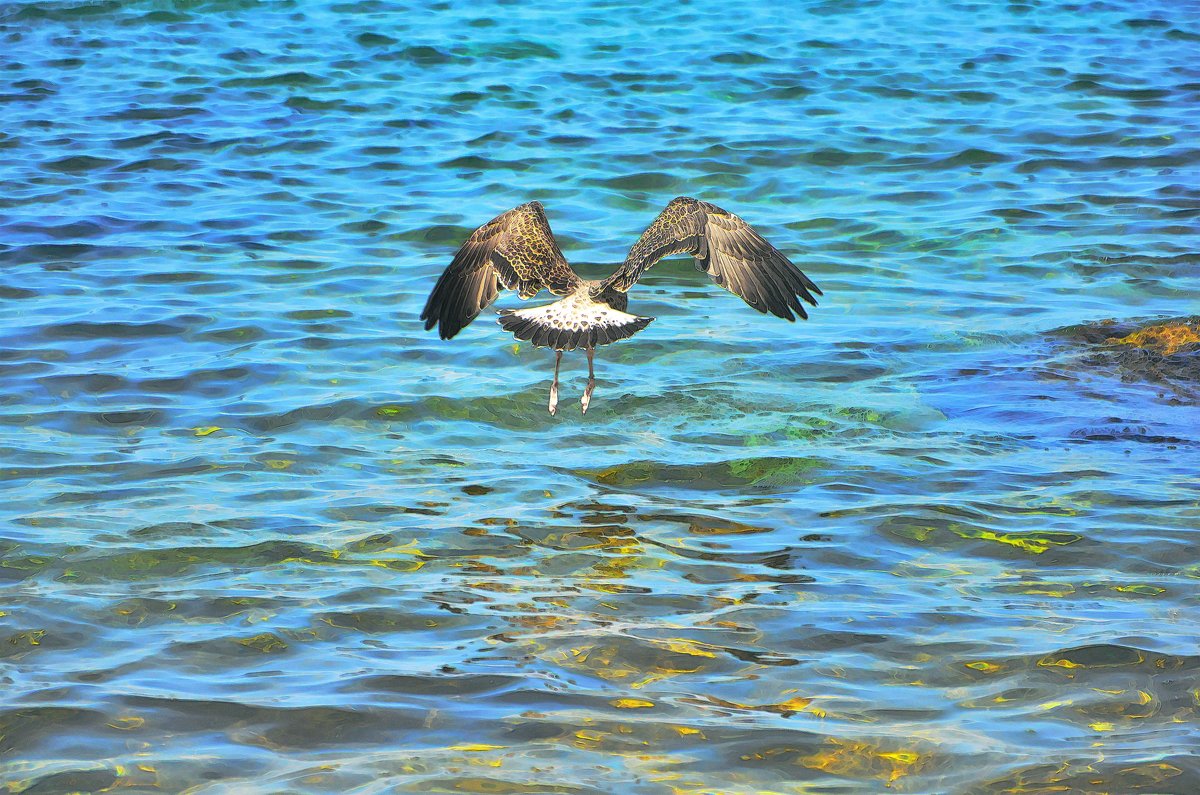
[
  {"x": 554, "y": 384},
  {"x": 591, "y": 384}
]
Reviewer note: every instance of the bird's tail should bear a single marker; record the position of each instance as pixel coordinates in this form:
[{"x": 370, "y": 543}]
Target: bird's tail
[{"x": 565, "y": 326}]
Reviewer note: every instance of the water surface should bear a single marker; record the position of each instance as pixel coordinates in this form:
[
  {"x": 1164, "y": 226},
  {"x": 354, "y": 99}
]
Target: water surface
[{"x": 261, "y": 533}]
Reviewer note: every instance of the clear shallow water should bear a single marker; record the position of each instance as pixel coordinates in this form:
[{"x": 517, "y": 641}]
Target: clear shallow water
[{"x": 262, "y": 533}]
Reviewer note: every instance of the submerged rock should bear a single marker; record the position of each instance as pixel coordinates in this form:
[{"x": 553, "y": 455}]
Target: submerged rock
[
  {"x": 1160, "y": 351},
  {"x": 1168, "y": 338}
]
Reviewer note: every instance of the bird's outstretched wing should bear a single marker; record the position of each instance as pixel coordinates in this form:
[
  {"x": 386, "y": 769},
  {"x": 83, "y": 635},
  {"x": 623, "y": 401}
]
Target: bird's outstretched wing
[
  {"x": 733, "y": 254},
  {"x": 516, "y": 251}
]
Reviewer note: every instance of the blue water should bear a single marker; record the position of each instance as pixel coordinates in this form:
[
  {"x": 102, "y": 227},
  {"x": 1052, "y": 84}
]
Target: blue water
[{"x": 262, "y": 533}]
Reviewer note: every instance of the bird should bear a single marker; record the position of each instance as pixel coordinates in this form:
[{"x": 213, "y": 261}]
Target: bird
[{"x": 516, "y": 251}]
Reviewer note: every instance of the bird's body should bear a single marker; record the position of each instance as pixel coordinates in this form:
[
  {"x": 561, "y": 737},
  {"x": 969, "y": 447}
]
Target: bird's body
[{"x": 517, "y": 251}]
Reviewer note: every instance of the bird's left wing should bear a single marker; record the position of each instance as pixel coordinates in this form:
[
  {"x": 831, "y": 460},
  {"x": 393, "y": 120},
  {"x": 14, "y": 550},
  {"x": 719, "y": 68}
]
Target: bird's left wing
[
  {"x": 728, "y": 249},
  {"x": 514, "y": 250}
]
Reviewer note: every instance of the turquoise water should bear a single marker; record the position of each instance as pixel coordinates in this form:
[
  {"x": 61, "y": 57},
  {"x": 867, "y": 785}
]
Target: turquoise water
[{"x": 261, "y": 533}]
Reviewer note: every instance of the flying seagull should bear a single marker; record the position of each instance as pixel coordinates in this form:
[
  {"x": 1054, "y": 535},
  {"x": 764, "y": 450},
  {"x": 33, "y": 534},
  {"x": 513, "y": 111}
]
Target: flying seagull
[{"x": 516, "y": 251}]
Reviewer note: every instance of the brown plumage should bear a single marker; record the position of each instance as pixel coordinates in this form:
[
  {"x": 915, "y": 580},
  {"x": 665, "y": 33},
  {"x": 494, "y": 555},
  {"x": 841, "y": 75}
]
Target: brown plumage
[
  {"x": 728, "y": 249},
  {"x": 516, "y": 250}
]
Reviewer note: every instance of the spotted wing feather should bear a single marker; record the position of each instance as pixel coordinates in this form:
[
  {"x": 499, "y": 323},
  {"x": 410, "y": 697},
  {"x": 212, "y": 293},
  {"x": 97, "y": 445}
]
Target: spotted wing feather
[
  {"x": 515, "y": 251},
  {"x": 728, "y": 249}
]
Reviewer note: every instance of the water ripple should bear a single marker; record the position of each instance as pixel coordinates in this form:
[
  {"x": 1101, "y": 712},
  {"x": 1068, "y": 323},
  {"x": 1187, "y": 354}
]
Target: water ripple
[{"x": 263, "y": 534}]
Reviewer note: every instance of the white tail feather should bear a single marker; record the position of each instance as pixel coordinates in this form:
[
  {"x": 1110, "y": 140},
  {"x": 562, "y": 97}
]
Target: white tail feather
[{"x": 574, "y": 322}]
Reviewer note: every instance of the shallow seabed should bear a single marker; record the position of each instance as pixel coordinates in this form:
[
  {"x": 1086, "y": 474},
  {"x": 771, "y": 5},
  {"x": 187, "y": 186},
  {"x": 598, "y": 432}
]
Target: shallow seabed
[{"x": 261, "y": 533}]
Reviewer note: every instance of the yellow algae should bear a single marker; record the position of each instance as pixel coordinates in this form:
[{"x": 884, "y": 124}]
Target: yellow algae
[
  {"x": 596, "y": 660},
  {"x": 688, "y": 731},
  {"x": 903, "y": 757},
  {"x": 1165, "y": 338},
  {"x": 649, "y": 680},
  {"x": 1155, "y": 771},
  {"x": 631, "y": 703},
  {"x": 1134, "y": 658},
  {"x": 602, "y": 661},
  {"x": 986, "y": 667},
  {"x": 541, "y": 621},
  {"x": 785, "y": 708},
  {"x": 929, "y": 571},
  {"x": 605, "y": 587},
  {"x": 771, "y": 752},
  {"x": 476, "y": 747},
  {"x": 863, "y": 760},
  {"x": 725, "y": 528},
  {"x": 619, "y": 568},
  {"x": 796, "y": 704},
  {"x": 1101, "y": 726},
  {"x": 1034, "y": 543},
  {"x": 1144, "y": 590},
  {"x": 587, "y": 738},
  {"x": 722, "y": 624},
  {"x": 495, "y": 587},
  {"x": 683, "y": 646},
  {"x": 278, "y": 463},
  {"x": 625, "y": 474},
  {"x": 206, "y": 430},
  {"x": 398, "y": 565},
  {"x": 713, "y": 701},
  {"x": 916, "y": 533},
  {"x": 31, "y": 637},
  {"x": 1041, "y": 588},
  {"x": 127, "y": 722},
  {"x": 265, "y": 643}
]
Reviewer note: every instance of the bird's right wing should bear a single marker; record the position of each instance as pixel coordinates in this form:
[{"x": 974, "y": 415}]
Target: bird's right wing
[
  {"x": 733, "y": 254},
  {"x": 516, "y": 251}
]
